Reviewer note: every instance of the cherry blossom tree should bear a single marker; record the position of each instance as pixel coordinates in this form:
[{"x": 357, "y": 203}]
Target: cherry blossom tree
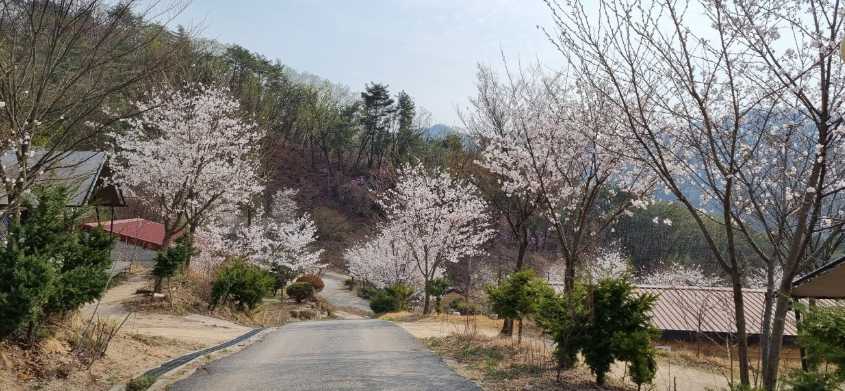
[
  {"x": 435, "y": 218},
  {"x": 281, "y": 236},
  {"x": 548, "y": 138},
  {"x": 679, "y": 275},
  {"x": 608, "y": 262},
  {"x": 739, "y": 115},
  {"x": 384, "y": 261},
  {"x": 189, "y": 156}
]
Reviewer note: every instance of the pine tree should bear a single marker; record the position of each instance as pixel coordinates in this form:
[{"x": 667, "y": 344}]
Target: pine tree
[
  {"x": 407, "y": 137},
  {"x": 376, "y": 118}
]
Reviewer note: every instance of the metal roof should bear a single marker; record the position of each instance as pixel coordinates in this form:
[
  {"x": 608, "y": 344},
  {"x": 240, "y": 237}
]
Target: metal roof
[
  {"x": 826, "y": 282},
  {"x": 708, "y": 310},
  {"x": 80, "y": 171},
  {"x": 141, "y": 232}
]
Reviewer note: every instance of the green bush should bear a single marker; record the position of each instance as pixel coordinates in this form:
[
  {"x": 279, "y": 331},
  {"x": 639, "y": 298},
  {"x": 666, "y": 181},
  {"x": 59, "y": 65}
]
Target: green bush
[
  {"x": 437, "y": 288},
  {"x": 242, "y": 283},
  {"x": 48, "y": 266},
  {"x": 605, "y": 322},
  {"x": 283, "y": 275},
  {"x": 314, "y": 280},
  {"x": 822, "y": 335},
  {"x": 169, "y": 260},
  {"x": 300, "y": 291},
  {"x": 464, "y": 307},
  {"x": 563, "y": 318},
  {"x": 620, "y": 329},
  {"x": 519, "y": 295},
  {"x": 391, "y": 299},
  {"x": 813, "y": 381},
  {"x": 368, "y": 291}
]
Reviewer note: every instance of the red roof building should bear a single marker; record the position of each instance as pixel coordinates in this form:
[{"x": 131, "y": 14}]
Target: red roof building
[{"x": 139, "y": 232}]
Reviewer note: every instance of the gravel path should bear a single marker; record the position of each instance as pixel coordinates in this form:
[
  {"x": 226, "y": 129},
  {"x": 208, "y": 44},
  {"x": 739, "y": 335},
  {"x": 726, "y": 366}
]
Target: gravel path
[{"x": 330, "y": 355}]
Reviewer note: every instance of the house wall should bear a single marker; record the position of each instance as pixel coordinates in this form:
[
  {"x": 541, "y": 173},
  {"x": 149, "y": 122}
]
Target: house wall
[{"x": 126, "y": 252}]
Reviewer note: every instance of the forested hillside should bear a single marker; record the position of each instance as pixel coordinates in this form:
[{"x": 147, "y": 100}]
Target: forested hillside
[{"x": 340, "y": 146}]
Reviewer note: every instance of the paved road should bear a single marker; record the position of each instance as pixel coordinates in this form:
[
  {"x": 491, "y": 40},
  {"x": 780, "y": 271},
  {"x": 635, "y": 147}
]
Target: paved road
[
  {"x": 330, "y": 355},
  {"x": 337, "y": 294}
]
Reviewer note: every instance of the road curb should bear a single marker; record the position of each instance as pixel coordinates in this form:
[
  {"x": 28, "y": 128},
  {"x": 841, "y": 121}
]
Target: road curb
[{"x": 160, "y": 373}]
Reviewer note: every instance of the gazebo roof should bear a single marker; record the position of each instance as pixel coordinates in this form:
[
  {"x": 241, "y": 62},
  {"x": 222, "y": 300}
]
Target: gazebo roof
[{"x": 826, "y": 282}]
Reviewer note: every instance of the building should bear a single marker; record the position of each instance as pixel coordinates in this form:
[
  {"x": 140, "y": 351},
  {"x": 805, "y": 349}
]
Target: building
[
  {"x": 85, "y": 173},
  {"x": 138, "y": 240},
  {"x": 687, "y": 312}
]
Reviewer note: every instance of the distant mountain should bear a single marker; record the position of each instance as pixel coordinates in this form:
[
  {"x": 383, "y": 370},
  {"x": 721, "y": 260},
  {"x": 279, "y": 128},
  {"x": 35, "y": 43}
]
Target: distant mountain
[{"x": 439, "y": 131}]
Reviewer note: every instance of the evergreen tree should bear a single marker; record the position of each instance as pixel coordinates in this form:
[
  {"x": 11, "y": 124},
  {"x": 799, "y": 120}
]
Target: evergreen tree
[
  {"x": 407, "y": 137},
  {"x": 48, "y": 266},
  {"x": 376, "y": 120}
]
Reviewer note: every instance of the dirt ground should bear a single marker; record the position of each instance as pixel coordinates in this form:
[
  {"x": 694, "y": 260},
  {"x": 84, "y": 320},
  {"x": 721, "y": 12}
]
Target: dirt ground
[
  {"x": 146, "y": 340},
  {"x": 675, "y": 367}
]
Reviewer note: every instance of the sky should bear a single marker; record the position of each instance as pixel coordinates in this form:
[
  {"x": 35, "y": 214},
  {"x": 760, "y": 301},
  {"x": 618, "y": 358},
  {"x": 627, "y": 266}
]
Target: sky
[{"x": 429, "y": 48}]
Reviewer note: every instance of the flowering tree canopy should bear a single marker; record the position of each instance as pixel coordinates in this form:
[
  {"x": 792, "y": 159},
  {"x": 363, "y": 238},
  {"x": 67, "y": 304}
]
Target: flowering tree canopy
[
  {"x": 436, "y": 219},
  {"x": 188, "y": 156},
  {"x": 383, "y": 261},
  {"x": 551, "y": 140},
  {"x": 679, "y": 275},
  {"x": 281, "y": 236},
  {"x": 739, "y": 115}
]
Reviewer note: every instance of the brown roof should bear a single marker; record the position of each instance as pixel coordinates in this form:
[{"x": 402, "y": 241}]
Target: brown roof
[
  {"x": 708, "y": 310},
  {"x": 826, "y": 282},
  {"x": 145, "y": 233}
]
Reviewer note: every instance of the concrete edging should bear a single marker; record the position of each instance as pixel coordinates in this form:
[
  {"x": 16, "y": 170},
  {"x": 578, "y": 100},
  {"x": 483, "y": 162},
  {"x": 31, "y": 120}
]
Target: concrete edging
[{"x": 164, "y": 372}]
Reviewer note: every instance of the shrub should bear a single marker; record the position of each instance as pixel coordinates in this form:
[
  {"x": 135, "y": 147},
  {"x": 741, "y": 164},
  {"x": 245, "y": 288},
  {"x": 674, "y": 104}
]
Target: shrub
[
  {"x": 518, "y": 296},
  {"x": 241, "y": 282},
  {"x": 382, "y": 302},
  {"x": 563, "y": 317},
  {"x": 437, "y": 288},
  {"x": 391, "y": 299},
  {"x": 619, "y": 329},
  {"x": 822, "y": 335},
  {"x": 300, "y": 291},
  {"x": 283, "y": 275},
  {"x": 464, "y": 307},
  {"x": 168, "y": 261},
  {"x": 33, "y": 285},
  {"x": 813, "y": 381},
  {"x": 314, "y": 280},
  {"x": 368, "y": 291}
]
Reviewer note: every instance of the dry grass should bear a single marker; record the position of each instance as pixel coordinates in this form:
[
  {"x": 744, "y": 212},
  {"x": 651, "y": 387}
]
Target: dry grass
[
  {"x": 501, "y": 364},
  {"x": 189, "y": 295},
  {"x": 54, "y": 363}
]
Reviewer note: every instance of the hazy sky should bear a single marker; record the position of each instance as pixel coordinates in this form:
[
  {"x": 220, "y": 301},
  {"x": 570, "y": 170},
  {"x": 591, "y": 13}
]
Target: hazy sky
[{"x": 428, "y": 48}]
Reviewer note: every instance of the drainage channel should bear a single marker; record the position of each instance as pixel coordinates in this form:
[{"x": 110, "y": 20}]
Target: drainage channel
[{"x": 176, "y": 362}]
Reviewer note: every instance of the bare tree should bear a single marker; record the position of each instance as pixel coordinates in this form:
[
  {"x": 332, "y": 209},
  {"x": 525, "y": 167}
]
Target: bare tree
[{"x": 61, "y": 63}]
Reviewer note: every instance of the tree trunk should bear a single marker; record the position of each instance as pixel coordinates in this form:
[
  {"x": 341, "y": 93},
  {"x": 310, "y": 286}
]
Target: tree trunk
[
  {"x": 427, "y": 302},
  {"x": 190, "y": 239},
  {"x": 741, "y": 334},
  {"x": 157, "y": 285},
  {"x": 766, "y": 329},
  {"x": 781, "y": 308},
  {"x": 507, "y": 327}
]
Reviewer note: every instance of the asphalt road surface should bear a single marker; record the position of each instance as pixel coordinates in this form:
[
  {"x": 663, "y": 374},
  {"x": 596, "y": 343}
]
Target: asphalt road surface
[{"x": 330, "y": 355}]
